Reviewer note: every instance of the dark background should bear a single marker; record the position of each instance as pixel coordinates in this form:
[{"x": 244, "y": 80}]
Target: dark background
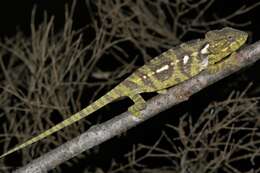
[{"x": 17, "y": 14}]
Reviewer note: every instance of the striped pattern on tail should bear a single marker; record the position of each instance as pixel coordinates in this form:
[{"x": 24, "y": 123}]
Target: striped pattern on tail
[{"x": 104, "y": 100}]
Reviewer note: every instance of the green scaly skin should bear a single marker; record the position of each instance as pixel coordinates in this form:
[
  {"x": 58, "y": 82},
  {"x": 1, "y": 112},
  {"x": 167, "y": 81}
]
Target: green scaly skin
[{"x": 168, "y": 69}]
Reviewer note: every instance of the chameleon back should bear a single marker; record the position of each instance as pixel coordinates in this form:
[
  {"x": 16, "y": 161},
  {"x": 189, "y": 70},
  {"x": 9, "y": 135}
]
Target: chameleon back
[{"x": 185, "y": 61}]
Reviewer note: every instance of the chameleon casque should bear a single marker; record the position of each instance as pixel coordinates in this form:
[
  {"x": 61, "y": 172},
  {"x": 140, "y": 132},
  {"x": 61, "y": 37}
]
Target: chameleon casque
[{"x": 166, "y": 70}]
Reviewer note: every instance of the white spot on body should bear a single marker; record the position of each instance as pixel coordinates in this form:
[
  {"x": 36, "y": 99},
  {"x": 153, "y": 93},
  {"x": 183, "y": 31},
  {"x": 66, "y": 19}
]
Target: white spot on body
[
  {"x": 163, "y": 68},
  {"x": 204, "y": 64},
  {"x": 185, "y": 59},
  {"x": 204, "y": 50},
  {"x": 144, "y": 77}
]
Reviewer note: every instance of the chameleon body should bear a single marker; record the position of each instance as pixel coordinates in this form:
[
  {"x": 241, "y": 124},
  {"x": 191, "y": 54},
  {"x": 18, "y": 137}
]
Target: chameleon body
[{"x": 166, "y": 70}]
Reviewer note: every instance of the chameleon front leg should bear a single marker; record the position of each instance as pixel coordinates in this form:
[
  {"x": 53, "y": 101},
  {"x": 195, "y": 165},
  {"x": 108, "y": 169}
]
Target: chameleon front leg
[
  {"x": 229, "y": 61},
  {"x": 139, "y": 104}
]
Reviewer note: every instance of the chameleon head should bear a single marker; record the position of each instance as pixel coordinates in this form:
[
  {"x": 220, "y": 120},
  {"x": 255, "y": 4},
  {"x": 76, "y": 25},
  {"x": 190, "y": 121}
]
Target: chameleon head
[{"x": 223, "y": 42}]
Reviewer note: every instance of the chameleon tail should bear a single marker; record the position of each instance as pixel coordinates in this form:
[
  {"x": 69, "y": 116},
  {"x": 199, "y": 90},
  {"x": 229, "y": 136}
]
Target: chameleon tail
[{"x": 104, "y": 100}]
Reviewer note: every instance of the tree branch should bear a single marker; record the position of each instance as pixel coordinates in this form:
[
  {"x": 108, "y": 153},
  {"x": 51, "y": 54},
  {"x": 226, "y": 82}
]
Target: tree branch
[{"x": 117, "y": 125}]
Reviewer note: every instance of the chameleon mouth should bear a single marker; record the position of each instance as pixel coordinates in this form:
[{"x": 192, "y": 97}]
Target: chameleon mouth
[{"x": 243, "y": 38}]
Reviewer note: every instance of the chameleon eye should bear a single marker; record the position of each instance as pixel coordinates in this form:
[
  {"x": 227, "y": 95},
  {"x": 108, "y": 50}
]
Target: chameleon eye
[{"x": 230, "y": 38}]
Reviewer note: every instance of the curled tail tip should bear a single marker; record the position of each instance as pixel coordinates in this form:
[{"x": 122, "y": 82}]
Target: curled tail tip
[
  {"x": 8, "y": 152},
  {"x": 3, "y": 155}
]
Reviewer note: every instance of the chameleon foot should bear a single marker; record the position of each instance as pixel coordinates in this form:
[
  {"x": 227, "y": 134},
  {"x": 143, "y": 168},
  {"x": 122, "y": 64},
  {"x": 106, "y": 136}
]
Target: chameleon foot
[
  {"x": 163, "y": 91},
  {"x": 139, "y": 105}
]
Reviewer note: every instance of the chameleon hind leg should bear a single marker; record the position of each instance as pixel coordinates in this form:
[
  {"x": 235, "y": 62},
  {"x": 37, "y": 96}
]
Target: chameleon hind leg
[{"x": 139, "y": 104}]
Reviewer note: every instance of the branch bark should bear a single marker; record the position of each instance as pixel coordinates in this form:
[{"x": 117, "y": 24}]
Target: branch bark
[{"x": 117, "y": 125}]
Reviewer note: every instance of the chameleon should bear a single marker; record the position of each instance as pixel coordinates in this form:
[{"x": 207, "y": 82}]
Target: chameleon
[{"x": 170, "y": 68}]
